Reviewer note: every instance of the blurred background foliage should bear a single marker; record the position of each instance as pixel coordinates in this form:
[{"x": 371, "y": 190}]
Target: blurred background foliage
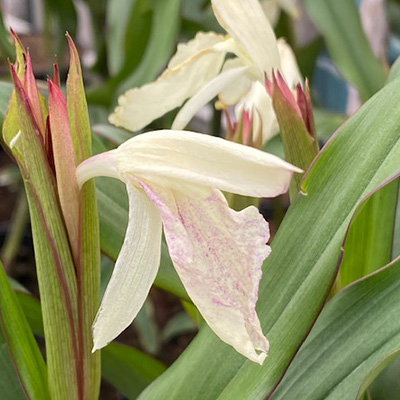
[{"x": 344, "y": 51}]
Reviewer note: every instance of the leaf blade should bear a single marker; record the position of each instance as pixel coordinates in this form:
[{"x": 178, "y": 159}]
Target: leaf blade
[
  {"x": 340, "y": 24},
  {"x": 22, "y": 345}
]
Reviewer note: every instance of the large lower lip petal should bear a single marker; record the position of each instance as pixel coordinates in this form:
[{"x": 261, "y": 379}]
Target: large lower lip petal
[{"x": 218, "y": 254}]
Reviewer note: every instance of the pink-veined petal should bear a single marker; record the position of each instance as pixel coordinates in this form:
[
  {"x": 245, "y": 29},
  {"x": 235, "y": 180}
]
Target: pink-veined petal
[
  {"x": 134, "y": 272},
  {"x": 245, "y": 21},
  {"x": 218, "y": 254},
  {"x": 167, "y": 157}
]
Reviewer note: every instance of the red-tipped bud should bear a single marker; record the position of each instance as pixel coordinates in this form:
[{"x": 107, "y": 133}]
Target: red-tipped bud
[
  {"x": 23, "y": 100},
  {"x": 293, "y": 111},
  {"x": 297, "y": 101},
  {"x": 64, "y": 162}
]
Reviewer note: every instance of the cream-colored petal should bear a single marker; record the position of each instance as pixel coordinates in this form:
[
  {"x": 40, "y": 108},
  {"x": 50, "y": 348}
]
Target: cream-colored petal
[
  {"x": 231, "y": 94},
  {"x": 205, "y": 95},
  {"x": 289, "y": 68},
  {"x": 134, "y": 272},
  {"x": 259, "y": 104},
  {"x": 245, "y": 21},
  {"x": 218, "y": 254},
  {"x": 271, "y": 10},
  {"x": 169, "y": 156},
  {"x": 202, "y": 41},
  {"x": 140, "y": 106}
]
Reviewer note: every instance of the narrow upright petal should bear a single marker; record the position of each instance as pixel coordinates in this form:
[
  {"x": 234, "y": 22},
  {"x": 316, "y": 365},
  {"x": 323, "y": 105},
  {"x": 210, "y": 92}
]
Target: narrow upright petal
[
  {"x": 245, "y": 21},
  {"x": 231, "y": 94},
  {"x": 166, "y": 157},
  {"x": 218, "y": 254},
  {"x": 134, "y": 272},
  {"x": 184, "y": 77},
  {"x": 289, "y": 68}
]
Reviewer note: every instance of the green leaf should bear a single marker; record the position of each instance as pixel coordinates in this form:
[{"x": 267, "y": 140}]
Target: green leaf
[
  {"x": 327, "y": 122},
  {"x": 118, "y": 15},
  {"x": 164, "y": 30},
  {"x": 394, "y": 72},
  {"x": 300, "y": 271},
  {"x": 113, "y": 210},
  {"x": 340, "y": 24},
  {"x": 147, "y": 329},
  {"x": 357, "y": 330},
  {"x": 179, "y": 324},
  {"x": 113, "y": 134},
  {"x": 386, "y": 385},
  {"x": 129, "y": 369},
  {"x": 22, "y": 345},
  {"x": 130, "y": 23},
  {"x": 369, "y": 241},
  {"x": 10, "y": 386},
  {"x": 88, "y": 260}
]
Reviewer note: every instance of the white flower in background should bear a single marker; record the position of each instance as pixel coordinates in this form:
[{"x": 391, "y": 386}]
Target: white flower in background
[
  {"x": 199, "y": 71},
  {"x": 272, "y": 9},
  {"x": 174, "y": 179}
]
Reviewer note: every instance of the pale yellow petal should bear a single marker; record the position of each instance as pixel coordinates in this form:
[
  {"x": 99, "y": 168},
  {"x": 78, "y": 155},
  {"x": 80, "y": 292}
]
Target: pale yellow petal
[
  {"x": 202, "y": 41},
  {"x": 169, "y": 156},
  {"x": 140, "y": 106},
  {"x": 245, "y": 21},
  {"x": 134, "y": 272},
  {"x": 271, "y": 10},
  {"x": 205, "y": 95},
  {"x": 289, "y": 67},
  {"x": 231, "y": 94},
  {"x": 259, "y": 104}
]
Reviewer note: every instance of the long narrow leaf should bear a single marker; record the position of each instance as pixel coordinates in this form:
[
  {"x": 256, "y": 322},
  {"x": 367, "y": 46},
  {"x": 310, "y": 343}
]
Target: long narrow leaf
[
  {"x": 340, "y": 24},
  {"x": 351, "y": 336},
  {"x": 129, "y": 369},
  {"x": 369, "y": 242},
  {"x": 10, "y": 386},
  {"x": 22, "y": 345}
]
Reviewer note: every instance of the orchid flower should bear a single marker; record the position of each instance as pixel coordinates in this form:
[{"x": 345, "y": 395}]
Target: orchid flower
[
  {"x": 174, "y": 179},
  {"x": 199, "y": 71}
]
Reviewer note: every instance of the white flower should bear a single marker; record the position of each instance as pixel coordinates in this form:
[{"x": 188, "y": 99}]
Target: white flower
[
  {"x": 173, "y": 180},
  {"x": 199, "y": 71}
]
